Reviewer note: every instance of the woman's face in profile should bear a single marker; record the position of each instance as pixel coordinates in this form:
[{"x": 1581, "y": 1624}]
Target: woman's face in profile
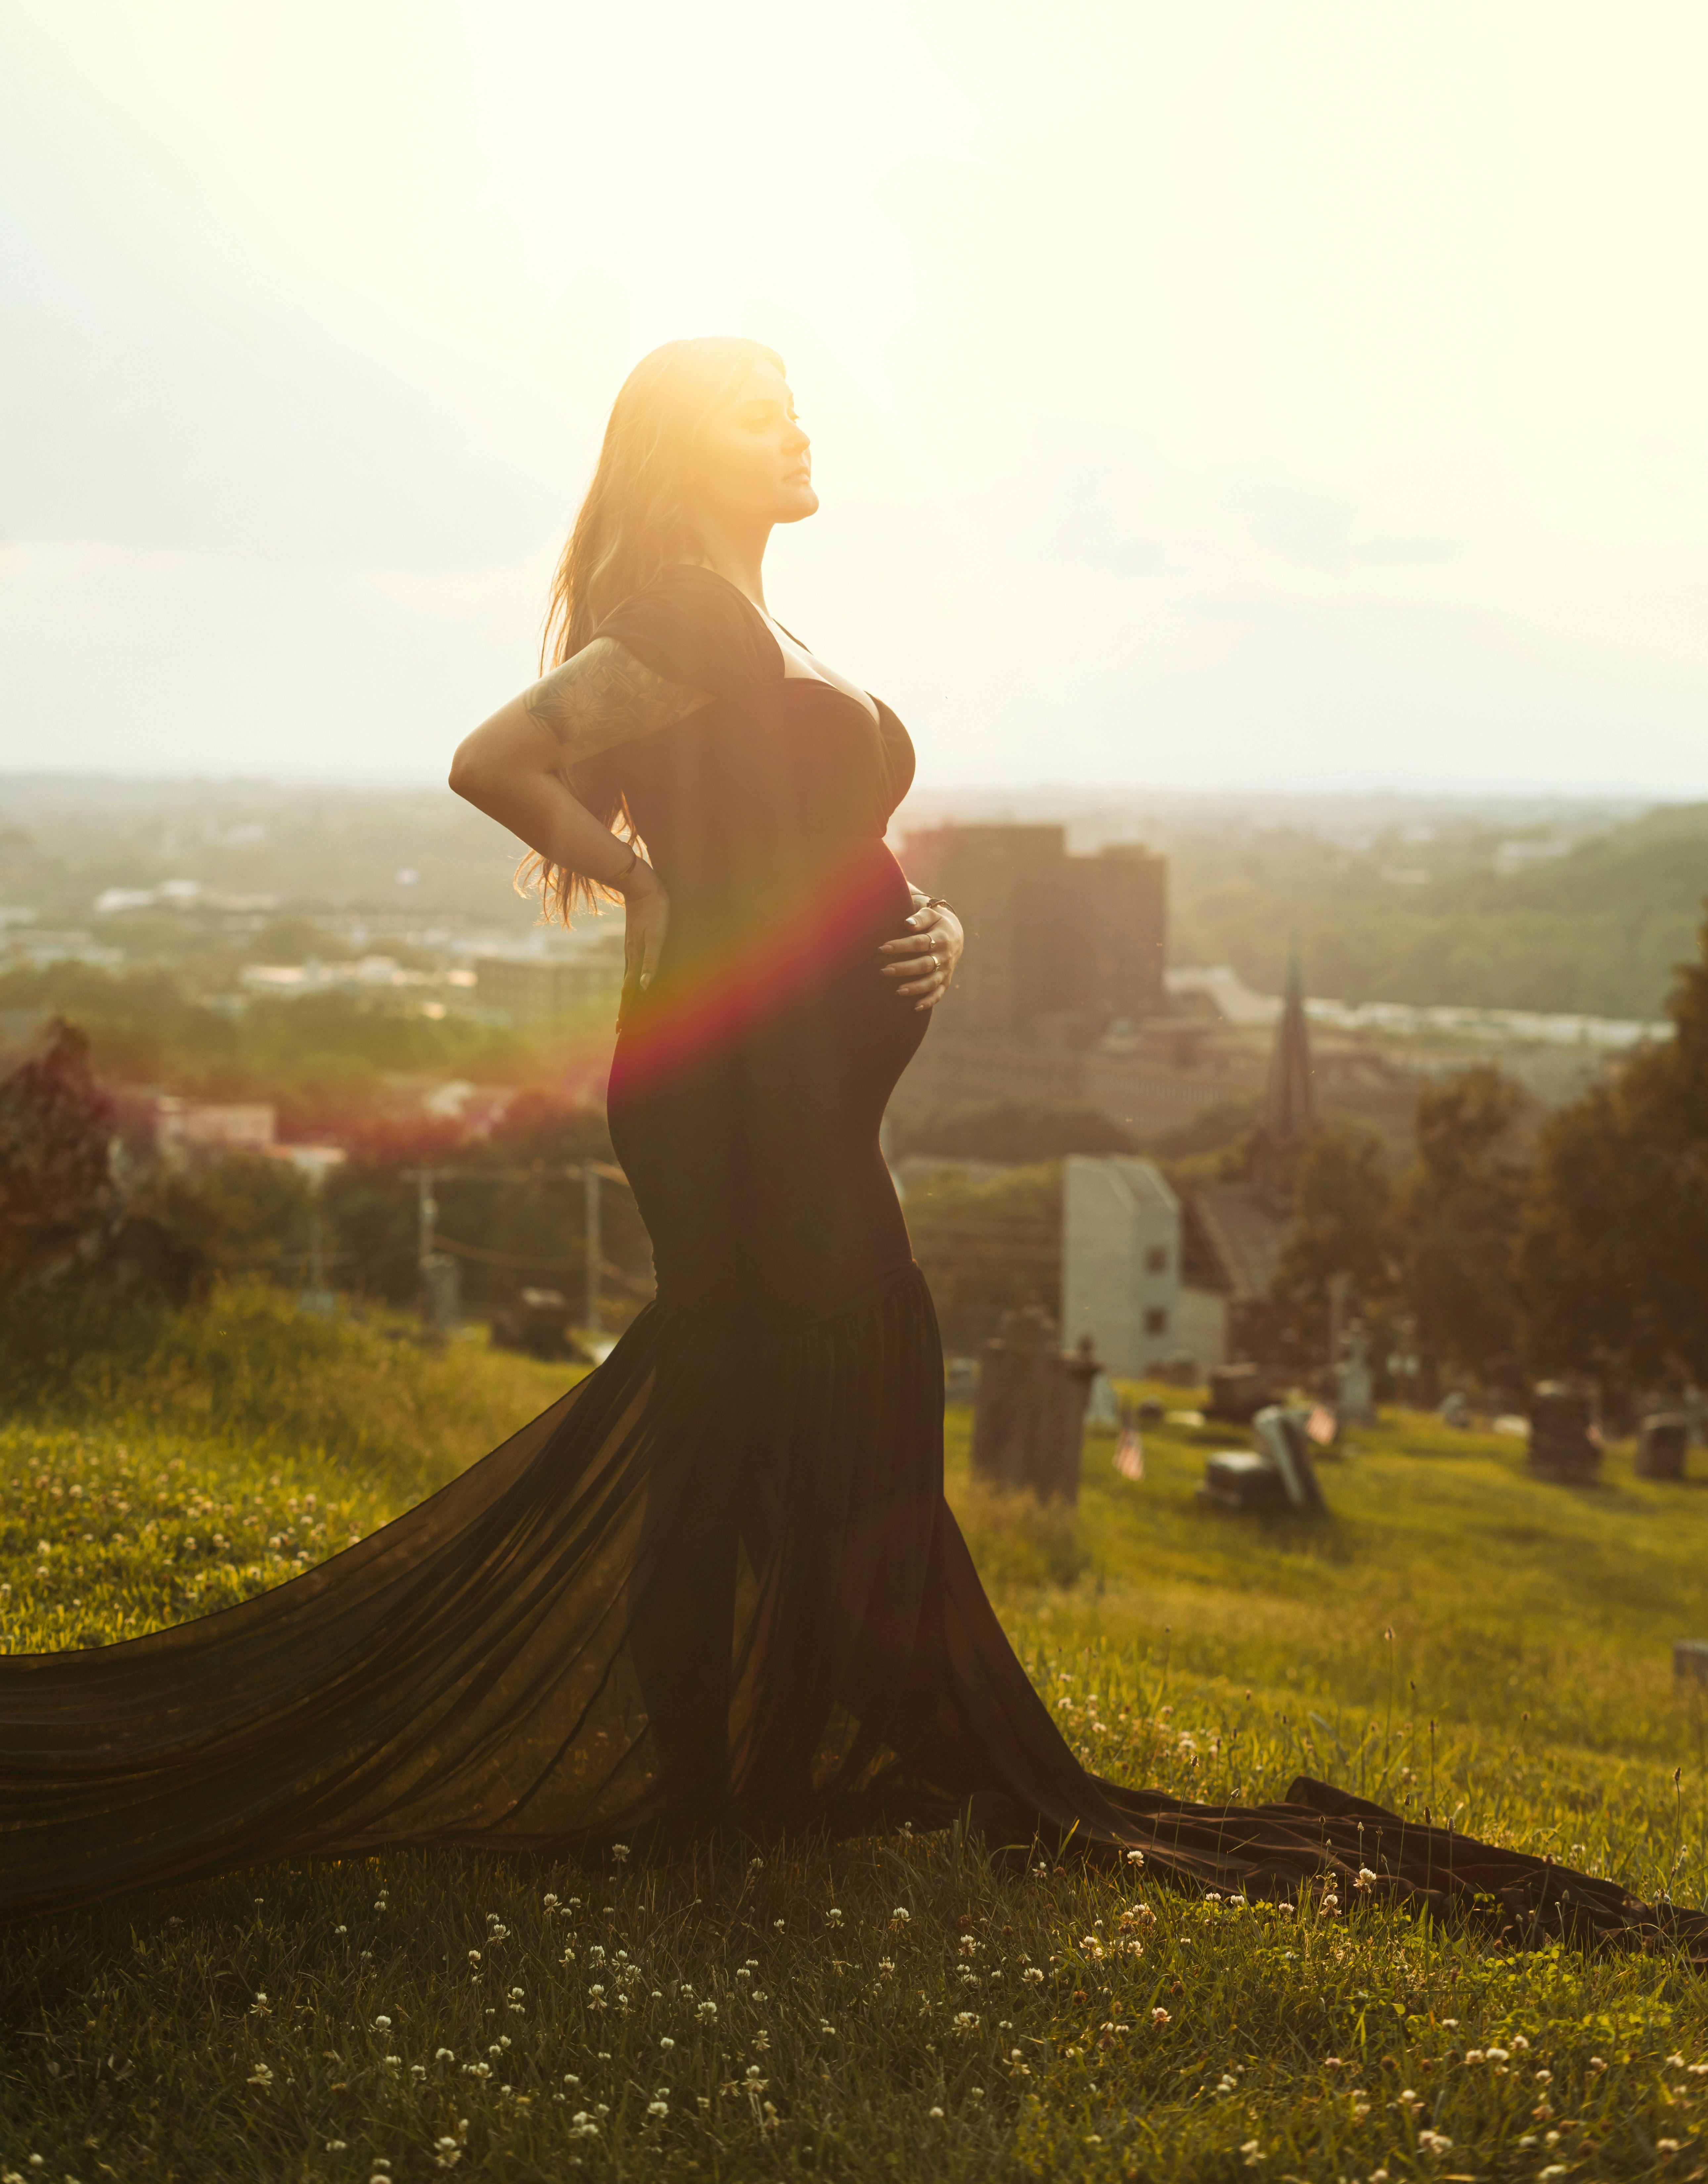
[{"x": 755, "y": 461}]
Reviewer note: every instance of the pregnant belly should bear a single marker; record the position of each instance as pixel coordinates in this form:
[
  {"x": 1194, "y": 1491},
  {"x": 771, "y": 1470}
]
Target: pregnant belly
[
  {"x": 746, "y": 1094},
  {"x": 764, "y": 949}
]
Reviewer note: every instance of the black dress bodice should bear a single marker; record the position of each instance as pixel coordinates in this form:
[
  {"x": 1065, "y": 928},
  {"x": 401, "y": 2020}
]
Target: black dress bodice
[{"x": 750, "y": 1083}]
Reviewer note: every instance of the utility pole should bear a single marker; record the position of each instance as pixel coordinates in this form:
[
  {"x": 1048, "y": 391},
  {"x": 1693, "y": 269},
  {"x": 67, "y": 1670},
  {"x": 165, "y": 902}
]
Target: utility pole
[
  {"x": 427, "y": 1210},
  {"x": 594, "y": 1182},
  {"x": 441, "y": 1281}
]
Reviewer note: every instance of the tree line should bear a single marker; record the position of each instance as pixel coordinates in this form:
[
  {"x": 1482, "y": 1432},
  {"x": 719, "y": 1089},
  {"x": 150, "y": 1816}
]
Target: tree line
[{"x": 1575, "y": 1244}]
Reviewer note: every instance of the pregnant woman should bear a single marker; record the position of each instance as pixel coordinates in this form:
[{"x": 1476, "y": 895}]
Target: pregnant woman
[{"x": 716, "y": 1586}]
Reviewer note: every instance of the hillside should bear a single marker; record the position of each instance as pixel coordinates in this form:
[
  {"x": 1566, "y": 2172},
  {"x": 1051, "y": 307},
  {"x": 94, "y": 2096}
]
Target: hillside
[
  {"x": 1458, "y": 1636},
  {"x": 1596, "y": 930}
]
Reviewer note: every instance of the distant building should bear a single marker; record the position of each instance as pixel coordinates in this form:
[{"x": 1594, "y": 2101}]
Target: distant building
[
  {"x": 1120, "y": 1261},
  {"x": 184, "y": 1129},
  {"x": 1057, "y": 946},
  {"x": 1128, "y": 1279},
  {"x": 529, "y": 987}
]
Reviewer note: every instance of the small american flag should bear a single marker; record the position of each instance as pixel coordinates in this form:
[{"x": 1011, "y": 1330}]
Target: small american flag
[{"x": 1129, "y": 1450}]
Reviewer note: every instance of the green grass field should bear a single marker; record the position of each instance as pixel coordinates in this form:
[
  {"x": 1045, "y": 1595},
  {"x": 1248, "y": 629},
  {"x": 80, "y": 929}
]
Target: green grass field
[{"x": 1458, "y": 1636}]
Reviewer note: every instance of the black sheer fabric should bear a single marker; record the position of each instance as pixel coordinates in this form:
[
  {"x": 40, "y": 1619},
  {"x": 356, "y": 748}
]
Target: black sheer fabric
[{"x": 716, "y": 1585}]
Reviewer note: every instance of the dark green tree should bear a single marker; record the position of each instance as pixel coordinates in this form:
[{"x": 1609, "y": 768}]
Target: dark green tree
[
  {"x": 1458, "y": 1213},
  {"x": 1610, "y": 1252},
  {"x": 1342, "y": 1225}
]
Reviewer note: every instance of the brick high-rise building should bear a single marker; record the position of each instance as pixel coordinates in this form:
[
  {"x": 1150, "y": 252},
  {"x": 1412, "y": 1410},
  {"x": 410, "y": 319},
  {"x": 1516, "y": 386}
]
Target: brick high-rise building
[{"x": 1058, "y": 947}]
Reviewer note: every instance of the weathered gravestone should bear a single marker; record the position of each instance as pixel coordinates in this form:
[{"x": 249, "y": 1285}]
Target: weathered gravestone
[
  {"x": 1662, "y": 1440},
  {"x": 1277, "y": 1474},
  {"x": 1030, "y": 1414},
  {"x": 1354, "y": 1378},
  {"x": 1562, "y": 1445},
  {"x": 537, "y": 1322}
]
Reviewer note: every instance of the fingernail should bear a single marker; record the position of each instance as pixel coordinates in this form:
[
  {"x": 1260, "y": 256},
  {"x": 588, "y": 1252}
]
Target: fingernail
[{"x": 645, "y": 980}]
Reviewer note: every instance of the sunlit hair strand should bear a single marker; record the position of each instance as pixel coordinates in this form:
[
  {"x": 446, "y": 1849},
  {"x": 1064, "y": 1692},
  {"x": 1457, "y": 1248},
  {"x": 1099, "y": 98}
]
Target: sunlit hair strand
[{"x": 638, "y": 517}]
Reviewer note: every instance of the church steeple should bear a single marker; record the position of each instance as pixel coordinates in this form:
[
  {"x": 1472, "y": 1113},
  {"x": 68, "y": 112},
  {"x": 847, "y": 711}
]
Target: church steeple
[{"x": 1290, "y": 1100}]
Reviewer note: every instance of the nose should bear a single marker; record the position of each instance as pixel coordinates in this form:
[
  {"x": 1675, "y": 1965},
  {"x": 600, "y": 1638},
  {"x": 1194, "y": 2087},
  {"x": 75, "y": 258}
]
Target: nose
[{"x": 797, "y": 442}]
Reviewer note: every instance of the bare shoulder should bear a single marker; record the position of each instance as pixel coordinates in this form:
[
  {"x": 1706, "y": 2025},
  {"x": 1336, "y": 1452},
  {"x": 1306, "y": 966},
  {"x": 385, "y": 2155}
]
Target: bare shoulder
[{"x": 603, "y": 696}]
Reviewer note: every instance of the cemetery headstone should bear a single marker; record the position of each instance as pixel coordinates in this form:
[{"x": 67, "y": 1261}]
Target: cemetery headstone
[
  {"x": 1354, "y": 1380},
  {"x": 1029, "y": 1418},
  {"x": 1240, "y": 1478},
  {"x": 961, "y": 1379},
  {"x": 1662, "y": 1440},
  {"x": 1281, "y": 1434},
  {"x": 1277, "y": 1474},
  {"x": 1563, "y": 1444},
  {"x": 537, "y": 1322}
]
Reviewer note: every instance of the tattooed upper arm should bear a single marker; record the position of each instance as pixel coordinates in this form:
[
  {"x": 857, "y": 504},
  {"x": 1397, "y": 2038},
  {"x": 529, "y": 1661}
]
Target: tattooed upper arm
[{"x": 603, "y": 696}]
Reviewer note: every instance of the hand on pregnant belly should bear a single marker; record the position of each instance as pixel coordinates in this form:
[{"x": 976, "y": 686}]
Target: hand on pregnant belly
[{"x": 923, "y": 963}]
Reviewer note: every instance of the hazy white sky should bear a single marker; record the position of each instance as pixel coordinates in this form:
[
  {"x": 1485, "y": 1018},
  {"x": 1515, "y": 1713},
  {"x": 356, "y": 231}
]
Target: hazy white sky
[{"x": 1240, "y": 393}]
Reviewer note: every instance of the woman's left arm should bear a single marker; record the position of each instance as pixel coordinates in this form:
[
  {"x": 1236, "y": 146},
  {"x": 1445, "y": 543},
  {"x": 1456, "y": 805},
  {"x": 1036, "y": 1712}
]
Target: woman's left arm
[{"x": 922, "y": 963}]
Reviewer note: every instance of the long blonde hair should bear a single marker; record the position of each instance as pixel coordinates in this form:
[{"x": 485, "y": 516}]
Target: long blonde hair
[{"x": 638, "y": 517}]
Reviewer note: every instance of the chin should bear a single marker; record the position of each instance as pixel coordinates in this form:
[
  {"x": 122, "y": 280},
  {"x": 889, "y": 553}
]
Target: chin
[{"x": 802, "y": 502}]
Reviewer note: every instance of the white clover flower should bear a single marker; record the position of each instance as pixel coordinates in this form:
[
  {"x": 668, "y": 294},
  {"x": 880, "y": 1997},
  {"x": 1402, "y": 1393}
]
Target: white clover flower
[
  {"x": 938, "y": 2112},
  {"x": 444, "y": 2055},
  {"x": 1160, "y": 2017},
  {"x": 707, "y": 2013},
  {"x": 666, "y": 2042},
  {"x": 834, "y": 1916},
  {"x": 1251, "y": 2154},
  {"x": 383, "y": 2024},
  {"x": 620, "y": 1852}
]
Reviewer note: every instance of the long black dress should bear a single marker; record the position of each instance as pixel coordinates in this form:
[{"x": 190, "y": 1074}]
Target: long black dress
[{"x": 716, "y": 1585}]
